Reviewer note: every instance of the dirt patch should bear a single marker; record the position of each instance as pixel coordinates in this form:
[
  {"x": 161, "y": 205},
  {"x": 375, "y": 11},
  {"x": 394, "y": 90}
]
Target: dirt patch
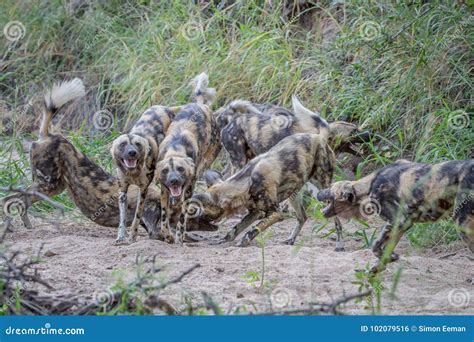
[{"x": 79, "y": 257}]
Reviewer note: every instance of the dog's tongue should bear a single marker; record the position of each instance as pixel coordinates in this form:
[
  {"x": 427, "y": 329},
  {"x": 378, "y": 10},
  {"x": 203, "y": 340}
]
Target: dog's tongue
[
  {"x": 130, "y": 163},
  {"x": 175, "y": 191}
]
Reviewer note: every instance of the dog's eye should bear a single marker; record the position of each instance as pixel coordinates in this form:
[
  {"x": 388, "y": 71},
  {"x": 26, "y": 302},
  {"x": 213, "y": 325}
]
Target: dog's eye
[
  {"x": 180, "y": 169},
  {"x": 122, "y": 145},
  {"x": 164, "y": 171},
  {"x": 138, "y": 144}
]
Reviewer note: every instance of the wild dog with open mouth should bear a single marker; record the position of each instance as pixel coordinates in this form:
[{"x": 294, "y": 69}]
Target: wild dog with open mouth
[
  {"x": 405, "y": 193},
  {"x": 265, "y": 181},
  {"x": 248, "y": 129},
  {"x": 189, "y": 147},
  {"x": 57, "y": 166},
  {"x": 136, "y": 155}
]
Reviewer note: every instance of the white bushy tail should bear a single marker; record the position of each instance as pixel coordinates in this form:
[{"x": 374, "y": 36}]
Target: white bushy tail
[
  {"x": 58, "y": 96},
  {"x": 308, "y": 118},
  {"x": 201, "y": 93}
]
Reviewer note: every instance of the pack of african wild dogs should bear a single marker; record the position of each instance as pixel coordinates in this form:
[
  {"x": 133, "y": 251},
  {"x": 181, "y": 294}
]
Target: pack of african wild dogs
[{"x": 274, "y": 154}]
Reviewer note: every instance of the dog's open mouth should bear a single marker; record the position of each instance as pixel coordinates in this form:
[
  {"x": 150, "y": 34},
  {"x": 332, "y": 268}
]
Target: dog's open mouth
[
  {"x": 176, "y": 191},
  {"x": 130, "y": 163},
  {"x": 329, "y": 210}
]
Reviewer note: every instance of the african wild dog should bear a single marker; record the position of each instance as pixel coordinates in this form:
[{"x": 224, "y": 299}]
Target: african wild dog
[
  {"x": 57, "y": 166},
  {"x": 248, "y": 129},
  {"x": 265, "y": 181},
  {"x": 136, "y": 155},
  {"x": 404, "y": 193},
  {"x": 189, "y": 147}
]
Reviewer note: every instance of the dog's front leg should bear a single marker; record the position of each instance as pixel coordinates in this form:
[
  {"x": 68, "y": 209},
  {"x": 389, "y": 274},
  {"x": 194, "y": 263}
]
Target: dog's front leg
[
  {"x": 165, "y": 230},
  {"x": 184, "y": 216},
  {"x": 138, "y": 214},
  {"x": 339, "y": 238},
  {"x": 296, "y": 202},
  {"x": 123, "y": 215},
  {"x": 383, "y": 247}
]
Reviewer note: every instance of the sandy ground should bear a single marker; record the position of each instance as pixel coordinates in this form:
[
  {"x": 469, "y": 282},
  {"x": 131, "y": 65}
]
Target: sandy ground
[{"x": 80, "y": 257}]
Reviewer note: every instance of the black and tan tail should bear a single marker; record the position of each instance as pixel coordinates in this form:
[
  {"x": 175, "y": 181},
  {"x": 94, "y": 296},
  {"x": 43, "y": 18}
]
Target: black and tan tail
[
  {"x": 201, "y": 93},
  {"x": 58, "y": 96}
]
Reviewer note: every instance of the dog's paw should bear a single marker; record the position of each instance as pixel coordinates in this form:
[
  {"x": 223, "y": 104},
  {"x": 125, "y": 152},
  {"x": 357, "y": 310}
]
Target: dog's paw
[
  {"x": 120, "y": 241},
  {"x": 244, "y": 242},
  {"x": 131, "y": 239}
]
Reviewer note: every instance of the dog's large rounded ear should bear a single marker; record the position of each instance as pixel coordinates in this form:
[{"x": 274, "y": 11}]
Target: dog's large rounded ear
[{"x": 212, "y": 177}]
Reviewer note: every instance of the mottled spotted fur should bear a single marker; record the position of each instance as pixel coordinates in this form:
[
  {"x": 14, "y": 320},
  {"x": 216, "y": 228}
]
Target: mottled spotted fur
[
  {"x": 190, "y": 146},
  {"x": 404, "y": 193},
  {"x": 136, "y": 155},
  {"x": 267, "y": 180},
  {"x": 248, "y": 129}
]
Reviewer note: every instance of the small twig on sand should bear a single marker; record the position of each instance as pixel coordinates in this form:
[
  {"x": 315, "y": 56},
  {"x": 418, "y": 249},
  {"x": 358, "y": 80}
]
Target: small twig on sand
[{"x": 331, "y": 308}]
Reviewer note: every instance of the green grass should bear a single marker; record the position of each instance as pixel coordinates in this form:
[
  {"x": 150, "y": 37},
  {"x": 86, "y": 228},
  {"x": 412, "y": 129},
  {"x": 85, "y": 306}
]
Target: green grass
[{"x": 406, "y": 81}]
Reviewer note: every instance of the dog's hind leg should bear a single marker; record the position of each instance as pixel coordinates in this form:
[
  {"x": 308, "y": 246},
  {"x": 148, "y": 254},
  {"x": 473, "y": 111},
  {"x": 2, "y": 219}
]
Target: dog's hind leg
[
  {"x": 123, "y": 215},
  {"x": 261, "y": 227},
  {"x": 251, "y": 216},
  {"x": 297, "y": 204}
]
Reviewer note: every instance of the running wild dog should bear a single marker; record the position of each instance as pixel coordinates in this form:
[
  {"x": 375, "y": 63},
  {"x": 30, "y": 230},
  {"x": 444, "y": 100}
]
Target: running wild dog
[
  {"x": 136, "y": 155},
  {"x": 188, "y": 149},
  {"x": 265, "y": 181},
  {"x": 405, "y": 193}
]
